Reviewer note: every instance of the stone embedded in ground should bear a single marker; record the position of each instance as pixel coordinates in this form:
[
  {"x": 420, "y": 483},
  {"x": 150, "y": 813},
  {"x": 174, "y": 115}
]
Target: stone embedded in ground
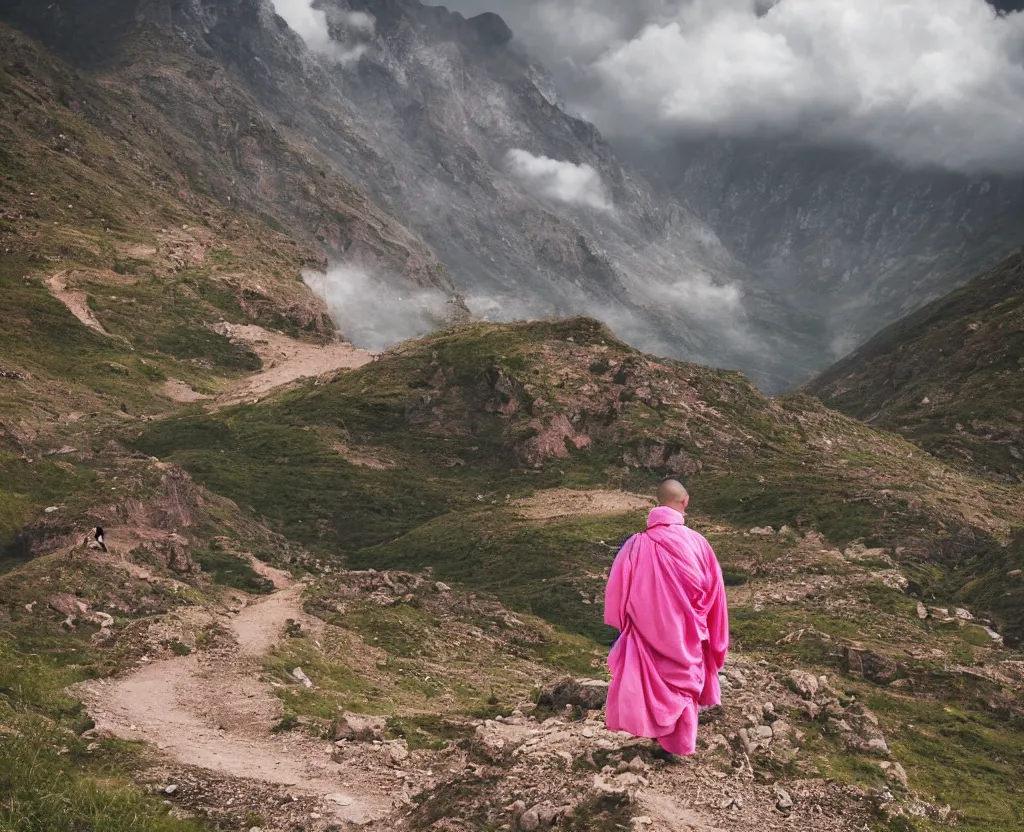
[
  {"x": 529, "y": 821},
  {"x": 922, "y": 611},
  {"x": 874, "y": 667},
  {"x": 302, "y": 678},
  {"x": 804, "y": 683},
  {"x": 783, "y": 800}
]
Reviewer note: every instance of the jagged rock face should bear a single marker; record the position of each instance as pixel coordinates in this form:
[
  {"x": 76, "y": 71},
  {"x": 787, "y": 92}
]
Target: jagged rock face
[
  {"x": 854, "y": 241},
  {"x": 424, "y": 121}
]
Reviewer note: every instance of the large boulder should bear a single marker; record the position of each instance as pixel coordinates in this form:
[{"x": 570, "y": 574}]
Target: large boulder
[{"x": 874, "y": 667}]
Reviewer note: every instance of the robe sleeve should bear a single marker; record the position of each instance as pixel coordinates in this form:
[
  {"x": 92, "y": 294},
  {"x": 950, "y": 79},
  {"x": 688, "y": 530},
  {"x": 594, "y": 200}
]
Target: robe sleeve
[
  {"x": 616, "y": 594},
  {"x": 717, "y": 647}
]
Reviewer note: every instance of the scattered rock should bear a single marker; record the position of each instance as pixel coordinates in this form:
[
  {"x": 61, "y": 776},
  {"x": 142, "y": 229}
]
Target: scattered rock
[
  {"x": 962, "y": 614},
  {"x": 170, "y": 790},
  {"x": 763, "y": 531},
  {"x": 922, "y": 611},
  {"x": 783, "y": 800},
  {"x": 804, "y": 683},
  {"x": 529, "y": 821},
  {"x": 869, "y": 665},
  {"x": 302, "y": 678}
]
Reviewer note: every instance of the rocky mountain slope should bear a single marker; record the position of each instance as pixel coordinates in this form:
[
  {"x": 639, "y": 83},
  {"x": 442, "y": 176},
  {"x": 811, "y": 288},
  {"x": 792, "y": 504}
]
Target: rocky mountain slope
[
  {"x": 479, "y": 482},
  {"x": 948, "y": 377},
  {"x": 345, "y": 590},
  {"x": 451, "y": 128},
  {"x": 855, "y": 241}
]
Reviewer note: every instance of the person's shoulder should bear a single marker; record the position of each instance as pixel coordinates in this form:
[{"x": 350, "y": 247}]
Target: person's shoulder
[{"x": 698, "y": 540}]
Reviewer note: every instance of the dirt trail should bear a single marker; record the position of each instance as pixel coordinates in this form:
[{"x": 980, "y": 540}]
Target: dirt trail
[
  {"x": 563, "y": 502},
  {"x": 285, "y": 360},
  {"x": 212, "y": 712}
]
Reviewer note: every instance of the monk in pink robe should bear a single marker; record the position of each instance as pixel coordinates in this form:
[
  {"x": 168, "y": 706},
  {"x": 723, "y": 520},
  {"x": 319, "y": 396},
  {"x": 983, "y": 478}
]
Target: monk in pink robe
[{"x": 667, "y": 597}]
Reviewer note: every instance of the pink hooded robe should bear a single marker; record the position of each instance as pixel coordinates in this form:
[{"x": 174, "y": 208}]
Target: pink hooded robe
[{"x": 667, "y": 597}]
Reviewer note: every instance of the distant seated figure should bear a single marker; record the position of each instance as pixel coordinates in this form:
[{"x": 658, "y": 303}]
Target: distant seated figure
[
  {"x": 99, "y": 538},
  {"x": 666, "y": 595}
]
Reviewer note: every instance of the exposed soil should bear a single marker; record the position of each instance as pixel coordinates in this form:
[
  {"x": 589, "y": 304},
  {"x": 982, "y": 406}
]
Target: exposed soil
[
  {"x": 178, "y": 391},
  {"x": 285, "y": 360},
  {"x": 212, "y": 712},
  {"x": 76, "y": 302},
  {"x": 562, "y": 502}
]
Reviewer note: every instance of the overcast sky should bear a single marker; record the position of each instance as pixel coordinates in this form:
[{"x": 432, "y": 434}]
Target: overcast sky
[{"x": 926, "y": 82}]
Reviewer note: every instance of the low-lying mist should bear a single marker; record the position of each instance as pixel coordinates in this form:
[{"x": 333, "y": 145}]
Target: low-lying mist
[{"x": 693, "y": 319}]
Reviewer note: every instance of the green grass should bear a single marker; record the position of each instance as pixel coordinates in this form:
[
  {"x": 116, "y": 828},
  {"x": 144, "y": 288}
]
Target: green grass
[
  {"x": 964, "y": 757},
  {"x": 539, "y": 568},
  {"x": 42, "y": 789},
  {"x": 230, "y": 570}
]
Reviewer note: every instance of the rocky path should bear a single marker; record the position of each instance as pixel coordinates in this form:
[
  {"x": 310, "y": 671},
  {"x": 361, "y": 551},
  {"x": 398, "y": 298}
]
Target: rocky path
[
  {"x": 212, "y": 712},
  {"x": 285, "y": 360}
]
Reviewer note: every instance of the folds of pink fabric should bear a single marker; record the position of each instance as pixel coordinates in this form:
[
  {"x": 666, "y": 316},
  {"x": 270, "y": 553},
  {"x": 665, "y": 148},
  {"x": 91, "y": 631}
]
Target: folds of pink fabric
[{"x": 667, "y": 597}]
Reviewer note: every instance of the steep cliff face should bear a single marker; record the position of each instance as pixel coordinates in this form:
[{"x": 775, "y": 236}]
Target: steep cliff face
[
  {"x": 851, "y": 239},
  {"x": 446, "y": 124}
]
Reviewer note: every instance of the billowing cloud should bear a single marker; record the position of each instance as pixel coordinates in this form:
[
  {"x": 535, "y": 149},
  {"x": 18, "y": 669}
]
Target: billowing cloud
[
  {"x": 373, "y": 313},
  {"x": 559, "y": 181},
  {"x": 925, "y": 82},
  {"x": 313, "y": 26}
]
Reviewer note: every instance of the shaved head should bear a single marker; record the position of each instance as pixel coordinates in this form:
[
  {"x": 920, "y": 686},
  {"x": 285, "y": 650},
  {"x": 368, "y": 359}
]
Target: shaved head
[{"x": 672, "y": 494}]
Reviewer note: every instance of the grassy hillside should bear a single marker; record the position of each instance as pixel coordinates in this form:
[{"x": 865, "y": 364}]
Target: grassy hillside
[
  {"x": 444, "y": 431},
  {"x": 950, "y": 377}
]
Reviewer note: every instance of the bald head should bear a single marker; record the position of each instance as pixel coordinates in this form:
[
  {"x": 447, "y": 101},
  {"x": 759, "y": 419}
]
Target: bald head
[{"x": 672, "y": 494}]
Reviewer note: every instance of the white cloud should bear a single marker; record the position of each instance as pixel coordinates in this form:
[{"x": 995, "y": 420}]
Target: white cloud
[
  {"x": 925, "y": 82},
  {"x": 312, "y": 26},
  {"x": 559, "y": 181}
]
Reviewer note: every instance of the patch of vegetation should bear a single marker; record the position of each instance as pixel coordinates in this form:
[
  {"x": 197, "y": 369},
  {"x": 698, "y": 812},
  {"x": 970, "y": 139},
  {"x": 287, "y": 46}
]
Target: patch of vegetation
[
  {"x": 43, "y": 787},
  {"x": 430, "y": 732},
  {"x": 230, "y": 570},
  {"x": 964, "y": 757}
]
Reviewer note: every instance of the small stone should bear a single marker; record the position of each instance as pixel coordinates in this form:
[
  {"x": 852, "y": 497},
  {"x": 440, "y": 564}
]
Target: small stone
[
  {"x": 781, "y": 729},
  {"x": 726, "y": 803},
  {"x": 530, "y": 821},
  {"x": 398, "y": 751},
  {"x": 922, "y": 611},
  {"x": 302, "y": 678},
  {"x": 170, "y": 790},
  {"x": 588, "y": 733},
  {"x": 783, "y": 801},
  {"x": 643, "y": 820},
  {"x": 761, "y": 733},
  {"x": 340, "y": 799},
  {"x": 547, "y": 814},
  {"x": 962, "y": 614},
  {"x": 442, "y": 587},
  {"x": 637, "y": 765},
  {"x": 622, "y": 767}
]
